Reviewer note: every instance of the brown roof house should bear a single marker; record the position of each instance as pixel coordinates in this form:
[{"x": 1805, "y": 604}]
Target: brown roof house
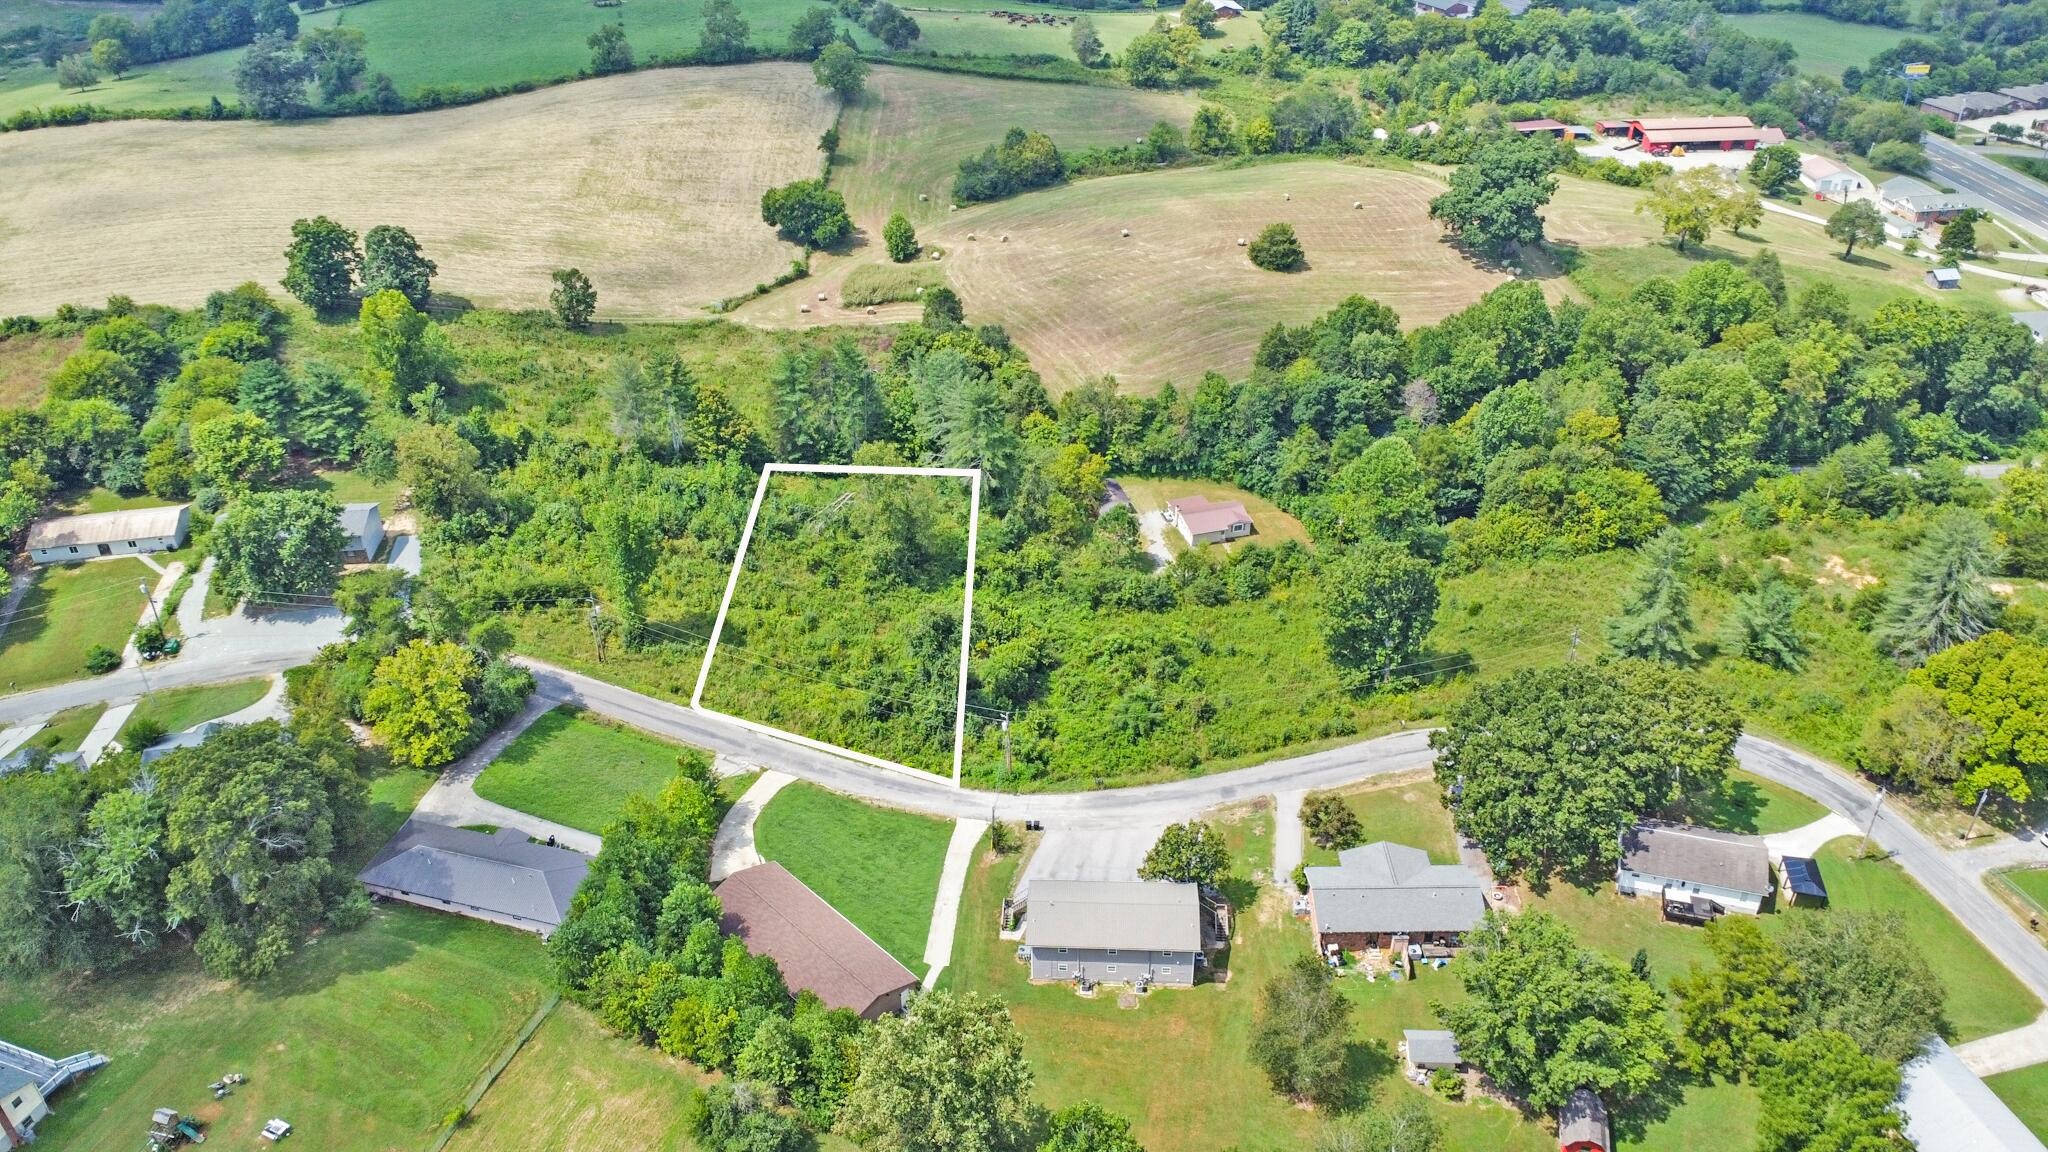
[
  {"x": 775, "y": 914},
  {"x": 1205, "y": 521},
  {"x": 1699, "y": 873}
]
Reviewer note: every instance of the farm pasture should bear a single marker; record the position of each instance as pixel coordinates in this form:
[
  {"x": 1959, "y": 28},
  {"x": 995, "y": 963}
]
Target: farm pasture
[{"x": 650, "y": 183}]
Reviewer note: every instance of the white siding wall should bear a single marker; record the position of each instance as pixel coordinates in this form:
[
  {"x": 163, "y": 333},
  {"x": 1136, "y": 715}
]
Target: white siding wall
[{"x": 1639, "y": 884}]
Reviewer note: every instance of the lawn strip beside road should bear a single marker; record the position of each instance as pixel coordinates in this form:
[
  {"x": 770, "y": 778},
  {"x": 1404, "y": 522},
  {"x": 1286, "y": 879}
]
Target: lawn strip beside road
[
  {"x": 66, "y": 730},
  {"x": 2026, "y": 1092},
  {"x": 878, "y": 866},
  {"x": 70, "y": 610},
  {"x": 176, "y": 709},
  {"x": 573, "y": 769},
  {"x": 404, "y": 1011}
]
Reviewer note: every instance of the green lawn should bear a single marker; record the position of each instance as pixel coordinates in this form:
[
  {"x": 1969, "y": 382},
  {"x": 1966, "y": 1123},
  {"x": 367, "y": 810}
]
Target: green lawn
[
  {"x": 70, "y": 609},
  {"x": 577, "y": 770},
  {"x": 348, "y": 486},
  {"x": 1758, "y": 807},
  {"x": 2031, "y": 883},
  {"x": 1150, "y": 494},
  {"x": 1406, "y": 813},
  {"x": 2025, "y": 1091},
  {"x": 1825, "y": 45},
  {"x": 879, "y": 867},
  {"x": 393, "y": 796},
  {"x": 576, "y": 1086},
  {"x": 1983, "y": 998},
  {"x": 176, "y": 709},
  {"x": 65, "y": 731},
  {"x": 364, "y": 1041}
]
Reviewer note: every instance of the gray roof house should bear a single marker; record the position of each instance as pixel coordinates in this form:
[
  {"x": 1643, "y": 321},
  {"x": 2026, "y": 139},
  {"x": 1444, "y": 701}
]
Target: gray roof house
[
  {"x": 363, "y": 527},
  {"x": 1430, "y": 1048},
  {"x": 1917, "y": 200},
  {"x": 499, "y": 877},
  {"x": 1116, "y": 931},
  {"x": 2035, "y": 322},
  {"x": 1382, "y": 890},
  {"x": 1948, "y": 1109},
  {"x": 1698, "y": 873},
  {"x": 191, "y": 737},
  {"x": 1582, "y": 1124},
  {"x": 122, "y": 533}
]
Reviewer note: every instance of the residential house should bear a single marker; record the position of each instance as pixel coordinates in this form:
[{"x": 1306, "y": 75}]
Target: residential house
[
  {"x": 1226, "y": 9},
  {"x": 1455, "y": 9},
  {"x": 1698, "y": 873},
  {"x": 2026, "y": 97},
  {"x": 1205, "y": 521},
  {"x": 1582, "y": 1124},
  {"x": 362, "y": 525},
  {"x": 27, "y": 1081},
  {"x": 191, "y": 737},
  {"x": 1918, "y": 201},
  {"x": 1380, "y": 891},
  {"x": 1114, "y": 931},
  {"x": 2035, "y": 322},
  {"x": 1969, "y": 105},
  {"x": 1828, "y": 178},
  {"x": 129, "y": 532},
  {"x": 1430, "y": 1049},
  {"x": 1948, "y": 1109},
  {"x": 500, "y": 877},
  {"x": 775, "y": 914},
  {"x": 23, "y": 759},
  {"x": 20, "y": 1111},
  {"x": 1944, "y": 278}
]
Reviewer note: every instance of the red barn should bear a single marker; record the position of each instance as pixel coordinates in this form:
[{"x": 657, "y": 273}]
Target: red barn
[
  {"x": 1659, "y": 137},
  {"x": 1582, "y": 1124}
]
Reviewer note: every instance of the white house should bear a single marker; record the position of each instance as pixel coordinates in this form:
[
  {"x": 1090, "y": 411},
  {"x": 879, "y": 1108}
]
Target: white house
[
  {"x": 1205, "y": 521},
  {"x": 1824, "y": 176},
  {"x": 1226, "y": 9},
  {"x": 1697, "y": 872},
  {"x": 68, "y": 539},
  {"x": 363, "y": 524}
]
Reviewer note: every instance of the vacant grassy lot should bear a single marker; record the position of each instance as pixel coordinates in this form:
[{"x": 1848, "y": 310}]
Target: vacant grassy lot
[
  {"x": 26, "y": 365},
  {"x": 912, "y": 129},
  {"x": 70, "y": 609},
  {"x": 2026, "y": 1093},
  {"x": 365, "y": 1041},
  {"x": 577, "y": 770},
  {"x": 1270, "y": 524},
  {"x": 1178, "y": 297},
  {"x": 1757, "y": 806},
  {"x": 65, "y": 731},
  {"x": 649, "y": 183},
  {"x": 878, "y": 866},
  {"x": 576, "y": 1088},
  {"x": 176, "y": 709},
  {"x": 1826, "y": 45},
  {"x": 973, "y": 30}
]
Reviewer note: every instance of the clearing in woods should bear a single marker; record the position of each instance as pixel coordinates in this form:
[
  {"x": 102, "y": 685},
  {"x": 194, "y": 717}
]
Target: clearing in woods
[
  {"x": 1178, "y": 297},
  {"x": 650, "y": 183}
]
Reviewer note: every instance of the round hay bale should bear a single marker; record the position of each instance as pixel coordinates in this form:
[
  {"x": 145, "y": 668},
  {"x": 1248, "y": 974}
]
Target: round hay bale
[
  {"x": 1287, "y": 195},
  {"x": 921, "y": 198},
  {"x": 821, "y": 297},
  {"x": 971, "y": 236},
  {"x": 918, "y": 291},
  {"x": 1358, "y": 203},
  {"x": 1240, "y": 241},
  {"x": 803, "y": 307},
  {"x": 1006, "y": 238},
  {"x": 871, "y": 309},
  {"x": 1127, "y": 231}
]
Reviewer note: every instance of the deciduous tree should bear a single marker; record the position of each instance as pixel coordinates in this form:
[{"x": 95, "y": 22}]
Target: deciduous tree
[
  {"x": 724, "y": 40},
  {"x": 111, "y": 57},
  {"x": 1300, "y": 1032},
  {"x": 1497, "y": 195},
  {"x": 320, "y": 263},
  {"x": 419, "y": 703},
  {"x": 1856, "y": 222},
  {"x": 339, "y": 57},
  {"x": 235, "y": 450},
  {"x": 806, "y": 212},
  {"x": 1546, "y": 1017},
  {"x": 573, "y": 299},
  {"x": 811, "y": 32},
  {"x": 392, "y": 261},
  {"x": 1826, "y": 1092},
  {"x": 1088, "y": 1127},
  {"x": 271, "y": 78},
  {"x": 1086, "y": 42},
  {"x": 840, "y": 68},
  {"x": 1775, "y": 169},
  {"x": 1865, "y": 974},
  {"x": 948, "y": 1075},
  {"x": 1732, "y": 1013},
  {"x": 1193, "y": 852},
  {"x": 609, "y": 51},
  {"x": 1378, "y": 606},
  {"x": 1275, "y": 248},
  {"x": 900, "y": 238},
  {"x": 284, "y": 544}
]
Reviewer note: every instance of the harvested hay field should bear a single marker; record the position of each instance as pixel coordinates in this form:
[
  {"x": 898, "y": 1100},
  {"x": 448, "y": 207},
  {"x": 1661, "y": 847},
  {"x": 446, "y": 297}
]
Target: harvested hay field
[
  {"x": 650, "y": 183},
  {"x": 1178, "y": 297},
  {"x": 912, "y": 129}
]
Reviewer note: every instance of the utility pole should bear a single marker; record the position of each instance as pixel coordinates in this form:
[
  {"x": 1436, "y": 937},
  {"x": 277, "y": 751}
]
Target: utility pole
[
  {"x": 1574, "y": 653},
  {"x": 1982, "y": 794},
  {"x": 1006, "y": 749},
  {"x": 1864, "y": 846},
  {"x": 143, "y": 586},
  {"x": 596, "y": 642}
]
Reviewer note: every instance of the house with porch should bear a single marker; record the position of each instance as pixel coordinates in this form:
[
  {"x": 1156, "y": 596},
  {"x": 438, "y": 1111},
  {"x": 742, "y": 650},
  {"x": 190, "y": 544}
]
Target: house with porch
[
  {"x": 1383, "y": 895},
  {"x": 1699, "y": 873}
]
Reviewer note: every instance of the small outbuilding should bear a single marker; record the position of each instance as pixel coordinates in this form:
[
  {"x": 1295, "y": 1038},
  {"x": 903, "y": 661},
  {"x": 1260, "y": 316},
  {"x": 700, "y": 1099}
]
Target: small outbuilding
[
  {"x": 1582, "y": 1124},
  {"x": 129, "y": 532},
  {"x": 1802, "y": 880},
  {"x": 499, "y": 876},
  {"x": 1945, "y": 279},
  {"x": 1542, "y": 127},
  {"x": 1226, "y": 9},
  {"x": 1429, "y": 1049},
  {"x": 1205, "y": 521},
  {"x": 1698, "y": 873},
  {"x": 775, "y": 914},
  {"x": 362, "y": 526}
]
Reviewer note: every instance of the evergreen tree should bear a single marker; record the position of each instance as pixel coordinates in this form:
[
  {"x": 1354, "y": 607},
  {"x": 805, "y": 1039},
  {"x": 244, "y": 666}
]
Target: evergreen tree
[
  {"x": 1657, "y": 613},
  {"x": 1943, "y": 598},
  {"x": 1763, "y": 627}
]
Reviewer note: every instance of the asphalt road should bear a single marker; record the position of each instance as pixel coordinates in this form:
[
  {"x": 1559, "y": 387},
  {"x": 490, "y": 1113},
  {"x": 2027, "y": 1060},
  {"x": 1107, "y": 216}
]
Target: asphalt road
[{"x": 2020, "y": 200}]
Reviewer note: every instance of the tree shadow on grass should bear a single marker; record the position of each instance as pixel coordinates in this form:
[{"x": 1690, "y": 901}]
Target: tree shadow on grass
[
  {"x": 1860, "y": 260},
  {"x": 1366, "y": 1063},
  {"x": 1631, "y": 1120}
]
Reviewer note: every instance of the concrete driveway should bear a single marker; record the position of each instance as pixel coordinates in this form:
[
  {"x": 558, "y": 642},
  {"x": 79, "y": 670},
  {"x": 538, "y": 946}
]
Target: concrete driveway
[{"x": 1089, "y": 854}]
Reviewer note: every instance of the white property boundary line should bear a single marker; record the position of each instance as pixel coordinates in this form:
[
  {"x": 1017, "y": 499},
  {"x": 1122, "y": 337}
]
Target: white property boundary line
[{"x": 732, "y": 583}]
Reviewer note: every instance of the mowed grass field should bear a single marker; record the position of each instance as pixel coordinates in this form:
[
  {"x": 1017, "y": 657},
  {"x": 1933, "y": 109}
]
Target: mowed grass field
[
  {"x": 878, "y": 866},
  {"x": 71, "y": 608},
  {"x": 1825, "y": 45},
  {"x": 650, "y": 183},
  {"x": 364, "y": 1041},
  {"x": 176, "y": 709},
  {"x": 576, "y": 770},
  {"x": 1178, "y": 297}
]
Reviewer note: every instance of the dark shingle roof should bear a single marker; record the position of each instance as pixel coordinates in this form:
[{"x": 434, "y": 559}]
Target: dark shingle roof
[
  {"x": 500, "y": 872},
  {"x": 1583, "y": 1118},
  {"x": 1698, "y": 855},
  {"x": 818, "y": 950}
]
